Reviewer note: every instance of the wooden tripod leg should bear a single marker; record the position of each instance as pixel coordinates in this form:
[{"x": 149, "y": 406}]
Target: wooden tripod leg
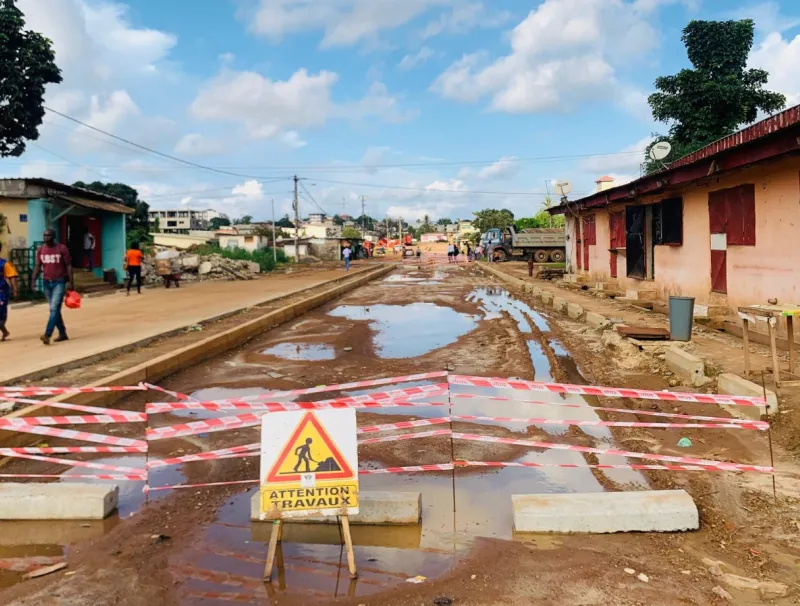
[
  {"x": 273, "y": 545},
  {"x": 348, "y": 542}
]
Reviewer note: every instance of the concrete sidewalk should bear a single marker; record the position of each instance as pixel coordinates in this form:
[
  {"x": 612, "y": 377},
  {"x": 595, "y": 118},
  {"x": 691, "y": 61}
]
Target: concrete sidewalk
[{"x": 108, "y": 323}]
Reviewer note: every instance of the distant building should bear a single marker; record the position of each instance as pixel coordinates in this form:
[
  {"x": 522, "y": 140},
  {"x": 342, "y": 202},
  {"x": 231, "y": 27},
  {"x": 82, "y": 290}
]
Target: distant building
[
  {"x": 604, "y": 183},
  {"x": 317, "y": 218},
  {"x": 182, "y": 221}
]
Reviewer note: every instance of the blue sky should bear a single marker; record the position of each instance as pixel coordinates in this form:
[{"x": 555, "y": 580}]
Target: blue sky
[{"x": 437, "y": 107}]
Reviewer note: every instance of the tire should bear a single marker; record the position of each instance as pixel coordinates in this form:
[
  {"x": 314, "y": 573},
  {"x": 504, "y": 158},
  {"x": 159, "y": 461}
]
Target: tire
[
  {"x": 540, "y": 256},
  {"x": 557, "y": 256}
]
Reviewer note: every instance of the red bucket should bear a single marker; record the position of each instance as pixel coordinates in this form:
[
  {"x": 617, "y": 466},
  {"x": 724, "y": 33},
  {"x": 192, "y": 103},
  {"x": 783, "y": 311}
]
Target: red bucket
[{"x": 73, "y": 299}]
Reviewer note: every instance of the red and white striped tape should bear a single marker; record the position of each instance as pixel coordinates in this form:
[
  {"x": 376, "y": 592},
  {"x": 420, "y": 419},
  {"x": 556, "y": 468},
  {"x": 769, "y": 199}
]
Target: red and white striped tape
[
  {"x": 402, "y": 425},
  {"x": 90, "y": 464},
  {"x": 175, "y": 394},
  {"x": 8, "y": 452},
  {"x": 609, "y": 392},
  {"x": 126, "y": 417},
  {"x": 55, "y": 432},
  {"x": 599, "y": 423},
  {"x": 409, "y": 469},
  {"x": 203, "y": 456},
  {"x": 114, "y": 477},
  {"x": 206, "y": 485},
  {"x": 649, "y": 413},
  {"x": 29, "y": 563},
  {"x": 22, "y": 392},
  {"x": 67, "y": 406},
  {"x": 721, "y": 465},
  {"x": 584, "y": 466},
  {"x": 407, "y": 436}
]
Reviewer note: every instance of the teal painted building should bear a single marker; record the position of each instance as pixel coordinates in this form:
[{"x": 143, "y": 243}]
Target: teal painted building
[{"x": 29, "y": 206}]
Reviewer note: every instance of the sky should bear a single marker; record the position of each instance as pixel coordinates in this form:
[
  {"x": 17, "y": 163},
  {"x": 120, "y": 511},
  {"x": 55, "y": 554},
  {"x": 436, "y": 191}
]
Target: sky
[{"x": 413, "y": 107}]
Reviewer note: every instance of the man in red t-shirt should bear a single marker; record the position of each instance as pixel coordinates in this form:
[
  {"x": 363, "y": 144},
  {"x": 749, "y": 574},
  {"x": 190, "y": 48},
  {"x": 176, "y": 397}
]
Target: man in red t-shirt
[{"x": 54, "y": 263}]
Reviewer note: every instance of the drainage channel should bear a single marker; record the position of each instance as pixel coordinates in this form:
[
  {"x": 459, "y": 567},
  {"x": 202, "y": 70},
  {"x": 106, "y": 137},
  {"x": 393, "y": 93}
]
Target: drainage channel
[{"x": 416, "y": 320}]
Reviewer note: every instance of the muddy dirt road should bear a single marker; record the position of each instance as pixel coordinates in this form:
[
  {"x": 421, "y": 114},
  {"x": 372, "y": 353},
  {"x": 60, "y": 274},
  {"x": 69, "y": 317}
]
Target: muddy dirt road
[{"x": 197, "y": 546}]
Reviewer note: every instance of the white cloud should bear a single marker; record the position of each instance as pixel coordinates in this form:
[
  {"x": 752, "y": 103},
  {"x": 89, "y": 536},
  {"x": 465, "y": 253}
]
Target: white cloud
[
  {"x": 505, "y": 168},
  {"x": 195, "y": 144},
  {"x": 563, "y": 52},
  {"x": 780, "y": 57},
  {"x": 345, "y": 22},
  {"x": 410, "y": 61},
  {"x": 292, "y": 139},
  {"x": 766, "y": 16},
  {"x": 447, "y": 185},
  {"x": 249, "y": 189},
  {"x": 627, "y": 160},
  {"x": 377, "y": 103},
  {"x": 463, "y": 18}
]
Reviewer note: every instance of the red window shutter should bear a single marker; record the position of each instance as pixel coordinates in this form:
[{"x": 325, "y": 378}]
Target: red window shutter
[
  {"x": 589, "y": 230},
  {"x": 747, "y": 211},
  {"x": 617, "y": 228},
  {"x": 717, "y": 211}
]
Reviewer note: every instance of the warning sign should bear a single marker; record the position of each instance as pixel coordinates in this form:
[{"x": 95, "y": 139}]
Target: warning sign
[{"x": 309, "y": 464}]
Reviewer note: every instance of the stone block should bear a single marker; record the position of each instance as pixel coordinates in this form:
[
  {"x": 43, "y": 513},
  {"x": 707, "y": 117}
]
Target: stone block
[
  {"x": 375, "y": 507},
  {"x": 734, "y": 385},
  {"x": 686, "y": 366},
  {"x": 574, "y": 311},
  {"x": 559, "y": 304},
  {"x": 547, "y": 298},
  {"x": 204, "y": 268},
  {"x": 57, "y": 501},
  {"x": 597, "y": 321},
  {"x": 606, "y": 512}
]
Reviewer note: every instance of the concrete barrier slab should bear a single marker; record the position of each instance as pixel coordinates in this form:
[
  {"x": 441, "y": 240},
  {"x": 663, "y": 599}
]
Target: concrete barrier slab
[
  {"x": 375, "y": 507},
  {"x": 686, "y": 366},
  {"x": 57, "y": 501},
  {"x": 734, "y": 385},
  {"x": 547, "y": 297},
  {"x": 574, "y": 311},
  {"x": 606, "y": 512},
  {"x": 559, "y": 304},
  {"x": 597, "y": 321}
]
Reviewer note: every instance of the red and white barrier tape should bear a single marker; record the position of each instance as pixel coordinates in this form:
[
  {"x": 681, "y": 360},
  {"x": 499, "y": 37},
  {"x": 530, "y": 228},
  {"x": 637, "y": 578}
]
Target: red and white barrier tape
[
  {"x": 207, "y": 485},
  {"x": 115, "y": 477},
  {"x": 67, "y": 406},
  {"x": 54, "y": 391},
  {"x": 407, "y": 436},
  {"x": 610, "y": 392},
  {"x": 128, "y": 417},
  {"x": 599, "y": 423},
  {"x": 90, "y": 464},
  {"x": 584, "y": 466},
  {"x": 402, "y": 425},
  {"x": 9, "y": 452},
  {"x": 649, "y": 413},
  {"x": 721, "y": 465},
  {"x": 175, "y": 394},
  {"x": 55, "y": 432},
  {"x": 203, "y": 456},
  {"x": 409, "y": 469},
  {"x": 29, "y": 563}
]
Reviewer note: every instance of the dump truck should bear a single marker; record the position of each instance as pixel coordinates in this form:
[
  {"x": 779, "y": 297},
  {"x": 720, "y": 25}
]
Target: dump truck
[{"x": 545, "y": 244}]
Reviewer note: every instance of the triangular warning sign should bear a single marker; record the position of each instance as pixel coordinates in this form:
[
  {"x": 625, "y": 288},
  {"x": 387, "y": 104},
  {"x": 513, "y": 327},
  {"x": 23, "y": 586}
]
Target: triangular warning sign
[{"x": 309, "y": 450}]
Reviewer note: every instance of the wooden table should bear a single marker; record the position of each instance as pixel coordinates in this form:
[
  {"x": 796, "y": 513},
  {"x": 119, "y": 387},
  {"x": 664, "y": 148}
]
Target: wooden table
[{"x": 771, "y": 314}]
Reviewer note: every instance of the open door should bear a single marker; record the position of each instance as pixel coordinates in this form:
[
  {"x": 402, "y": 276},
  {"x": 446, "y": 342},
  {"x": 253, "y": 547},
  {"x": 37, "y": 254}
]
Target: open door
[{"x": 634, "y": 241}]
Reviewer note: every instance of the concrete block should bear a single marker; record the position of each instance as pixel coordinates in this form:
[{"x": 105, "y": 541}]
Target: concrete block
[
  {"x": 734, "y": 385},
  {"x": 574, "y": 311},
  {"x": 597, "y": 321},
  {"x": 686, "y": 366},
  {"x": 559, "y": 304},
  {"x": 375, "y": 507},
  {"x": 57, "y": 501},
  {"x": 547, "y": 298},
  {"x": 606, "y": 512}
]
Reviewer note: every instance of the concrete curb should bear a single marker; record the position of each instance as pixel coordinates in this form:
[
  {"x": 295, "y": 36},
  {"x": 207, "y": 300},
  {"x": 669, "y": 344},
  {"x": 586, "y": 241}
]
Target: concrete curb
[
  {"x": 156, "y": 369},
  {"x": 57, "y": 501},
  {"x": 734, "y": 385},
  {"x": 686, "y": 366}
]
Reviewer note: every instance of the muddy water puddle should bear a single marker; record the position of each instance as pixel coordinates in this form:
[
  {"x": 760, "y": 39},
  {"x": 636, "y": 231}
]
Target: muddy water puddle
[{"x": 301, "y": 351}]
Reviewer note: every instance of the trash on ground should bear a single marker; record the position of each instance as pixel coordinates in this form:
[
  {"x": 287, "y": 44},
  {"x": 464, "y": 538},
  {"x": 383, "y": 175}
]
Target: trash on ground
[{"x": 40, "y": 572}]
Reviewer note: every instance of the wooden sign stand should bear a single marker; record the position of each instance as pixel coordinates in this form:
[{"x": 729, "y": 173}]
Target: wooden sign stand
[{"x": 277, "y": 534}]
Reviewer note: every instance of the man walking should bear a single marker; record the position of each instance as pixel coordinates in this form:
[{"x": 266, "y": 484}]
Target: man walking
[
  {"x": 54, "y": 264},
  {"x": 9, "y": 286},
  {"x": 88, "y": 249},
  {"x": 346, "y": 256}
]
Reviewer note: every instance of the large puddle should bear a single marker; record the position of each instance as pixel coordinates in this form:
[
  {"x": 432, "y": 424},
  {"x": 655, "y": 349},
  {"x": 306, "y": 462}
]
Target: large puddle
[
  {"x": 301, "y": 351},
  {"x": 409, "y": 331}
]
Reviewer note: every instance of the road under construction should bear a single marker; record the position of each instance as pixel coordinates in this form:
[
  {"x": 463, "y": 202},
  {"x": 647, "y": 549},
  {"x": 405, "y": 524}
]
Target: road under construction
[{"x": 190, "y": 538}]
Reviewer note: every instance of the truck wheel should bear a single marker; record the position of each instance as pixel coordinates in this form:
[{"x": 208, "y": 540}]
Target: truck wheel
[
  {"x": 557, "y": 256},
  {"x": 500, "y": 255},
  {"x": 540, "y": 256}
]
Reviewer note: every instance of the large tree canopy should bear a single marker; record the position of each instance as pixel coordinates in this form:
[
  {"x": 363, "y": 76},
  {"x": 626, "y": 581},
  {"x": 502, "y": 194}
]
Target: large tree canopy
[
  {"x": 137, "y": 225},
  {"x": 491, "y": 217},
  {"x": 719, "y": 95},
  {"x": 27, "y": 65}
]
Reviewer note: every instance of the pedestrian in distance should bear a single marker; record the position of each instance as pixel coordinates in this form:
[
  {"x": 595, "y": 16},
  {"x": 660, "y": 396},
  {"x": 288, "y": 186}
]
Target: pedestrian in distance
[
  {"x": 530, "y": 265},
  {"x": 419, "y": 252},
  {"x": 88, "y": 250},
  {"x": 133, "y": 263},
  {"x": 455, "y": 253},
  {"x": 54, "y": 264},
  {"x": 469, "y": 253},
  {"x": 450, "y": 253},
  {"x": 9, "y": 287},
  {"x": 346, "y": 256}
]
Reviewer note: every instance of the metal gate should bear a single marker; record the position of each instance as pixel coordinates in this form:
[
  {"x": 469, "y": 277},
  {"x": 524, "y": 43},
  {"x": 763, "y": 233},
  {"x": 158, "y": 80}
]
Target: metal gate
[{"x": 23, "y": 260}]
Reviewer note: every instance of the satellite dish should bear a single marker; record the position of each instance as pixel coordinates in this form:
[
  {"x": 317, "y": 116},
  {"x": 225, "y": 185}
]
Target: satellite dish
[
  {"x": 660, "y": 150},
  {"x": 562, "y": 187}
]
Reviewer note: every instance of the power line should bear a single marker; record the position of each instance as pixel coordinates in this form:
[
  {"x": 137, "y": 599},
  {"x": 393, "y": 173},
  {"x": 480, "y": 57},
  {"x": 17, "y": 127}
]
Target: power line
[
  {"x": 51, "y": 152},
  {"x": 200, "y": 191},
  {"x": 152, "y": 151},
  {"x": 434, "y": 191},
  {"x": 308, "y": 193}
]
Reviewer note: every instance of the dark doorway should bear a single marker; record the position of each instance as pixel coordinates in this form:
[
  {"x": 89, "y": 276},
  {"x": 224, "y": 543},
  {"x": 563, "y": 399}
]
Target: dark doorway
[
  {"x": 73, "y": 230},
  {"x": 634, "y": 241}
]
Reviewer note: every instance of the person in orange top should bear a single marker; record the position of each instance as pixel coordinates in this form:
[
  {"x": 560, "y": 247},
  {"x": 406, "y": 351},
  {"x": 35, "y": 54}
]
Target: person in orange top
[
  {"x": 133, "y": 261},
  {"x": 9, "y": 285}
]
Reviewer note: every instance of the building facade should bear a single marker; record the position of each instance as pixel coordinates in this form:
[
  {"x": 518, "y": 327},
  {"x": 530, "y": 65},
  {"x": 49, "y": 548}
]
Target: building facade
[{"x": 181, "y": 221}]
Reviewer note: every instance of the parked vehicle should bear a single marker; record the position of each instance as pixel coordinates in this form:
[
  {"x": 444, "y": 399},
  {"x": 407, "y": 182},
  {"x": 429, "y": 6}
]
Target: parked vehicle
[{"x": 546, "y": 244}]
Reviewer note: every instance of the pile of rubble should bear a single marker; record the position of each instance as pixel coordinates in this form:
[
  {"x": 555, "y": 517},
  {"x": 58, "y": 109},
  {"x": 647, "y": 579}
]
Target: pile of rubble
[{"x": 193, "y": 267}]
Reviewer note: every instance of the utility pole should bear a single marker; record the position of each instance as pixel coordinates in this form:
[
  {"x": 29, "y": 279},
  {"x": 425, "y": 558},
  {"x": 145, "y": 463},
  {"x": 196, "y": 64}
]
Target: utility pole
[
  {"x": 296, "y": 221},
  {"x": 274, "y": 240},
  {"x": 363, "y": 217}
]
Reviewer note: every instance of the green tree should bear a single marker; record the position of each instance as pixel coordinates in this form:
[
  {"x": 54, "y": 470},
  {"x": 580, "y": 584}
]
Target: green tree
[
  {"x": 718, "y": 96},
  {"x": 489, "y": 218},
  {"x": 444, "y": 221},
  {"x": 217, "y": 222},
  {"x": 27, "y": 66},
  {"x": 137, "y": 225},
  {"x": 337, "y": 220},
  {"x": 284, "y": 222},
  {"x": 245, "y": 220},
  {"x": 351, "y": 232}
]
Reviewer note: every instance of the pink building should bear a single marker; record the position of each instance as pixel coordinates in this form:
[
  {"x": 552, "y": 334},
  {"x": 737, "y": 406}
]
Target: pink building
[{"x": 719, "y": 225}]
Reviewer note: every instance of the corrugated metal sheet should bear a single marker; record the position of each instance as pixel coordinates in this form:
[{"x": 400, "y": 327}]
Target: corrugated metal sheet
[{"x": 111, "y": 207}]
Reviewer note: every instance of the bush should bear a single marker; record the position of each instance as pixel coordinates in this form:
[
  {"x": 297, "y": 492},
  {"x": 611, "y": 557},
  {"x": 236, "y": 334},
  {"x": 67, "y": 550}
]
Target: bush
[{"x": 264, "y": 257}]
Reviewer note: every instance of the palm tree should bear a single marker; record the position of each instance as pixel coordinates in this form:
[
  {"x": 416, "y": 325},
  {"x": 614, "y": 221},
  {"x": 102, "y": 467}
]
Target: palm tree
[{"x": 548, "y": 204}]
